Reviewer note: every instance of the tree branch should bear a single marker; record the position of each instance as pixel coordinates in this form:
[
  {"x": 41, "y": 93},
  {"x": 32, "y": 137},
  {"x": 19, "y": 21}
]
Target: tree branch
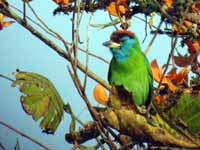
[
  {"x": 7, "y": 78},
  {"x": 8, "y": 12},
  {"x": 24, "y": 135},
  {"x": 138, "y": 127}
]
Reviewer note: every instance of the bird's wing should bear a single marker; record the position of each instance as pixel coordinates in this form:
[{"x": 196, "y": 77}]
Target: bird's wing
[
  {"x": 150, "y": 80},
  {"x": 150, "y": 88},
  {"x": 109, "y": 72}
]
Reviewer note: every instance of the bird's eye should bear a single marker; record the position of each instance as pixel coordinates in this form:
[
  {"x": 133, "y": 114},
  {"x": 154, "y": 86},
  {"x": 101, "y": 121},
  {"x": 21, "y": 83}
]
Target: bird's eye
[{"x": 122, "y": 40}]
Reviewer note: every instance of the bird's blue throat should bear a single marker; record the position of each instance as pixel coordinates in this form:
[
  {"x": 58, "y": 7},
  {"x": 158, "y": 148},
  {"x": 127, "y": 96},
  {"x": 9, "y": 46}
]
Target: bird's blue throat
[{"x": 122, "y": 53}]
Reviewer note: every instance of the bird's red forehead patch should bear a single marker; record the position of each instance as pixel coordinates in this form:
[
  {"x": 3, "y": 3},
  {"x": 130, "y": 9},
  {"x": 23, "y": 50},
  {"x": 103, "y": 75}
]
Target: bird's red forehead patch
[{"x": 119, "y": 33}]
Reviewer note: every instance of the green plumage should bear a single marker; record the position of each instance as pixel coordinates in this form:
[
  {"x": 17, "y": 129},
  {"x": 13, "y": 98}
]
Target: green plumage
[{"x": 133, "y": 72}]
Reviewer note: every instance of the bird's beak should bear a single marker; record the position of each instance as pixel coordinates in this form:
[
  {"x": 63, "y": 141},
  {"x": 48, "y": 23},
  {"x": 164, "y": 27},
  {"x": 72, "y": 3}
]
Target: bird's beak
[{"x": 111, "y": 44}]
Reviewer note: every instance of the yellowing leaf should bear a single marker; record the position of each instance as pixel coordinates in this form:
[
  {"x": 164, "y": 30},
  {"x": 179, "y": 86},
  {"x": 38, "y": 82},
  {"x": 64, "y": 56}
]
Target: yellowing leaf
[
  {"x": 196, "y": 7},
  {"x": 64, "y": 2},
  {"x": 100, "y": 94},
  {"x": 172, "y": 73},
  {"x": 168, "y": 2},
  {"x": 7, "y": 23},
  {"x": 171, "y": 86},
  {"x": 40, "y": 99},
  {"x": 118, "y": 8},
  {"x": 193, "y": 46},
  {"x": 182, "y": 76},
  {"x": 187, "y": 23},
  {"x": 122, "y": 9},
  {"x": 178, "y": 29},
  {"x": 151, "y": 20},
  {"x": 4, "y": 23},
  {"x": 157, "y": 74},
  {"x": 183, "y": 61},
  {"x": 159, "y": 99}
]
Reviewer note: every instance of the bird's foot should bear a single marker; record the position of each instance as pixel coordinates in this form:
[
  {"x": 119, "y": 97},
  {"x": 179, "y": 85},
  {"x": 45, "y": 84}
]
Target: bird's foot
[{"x": 142, "y": 110}]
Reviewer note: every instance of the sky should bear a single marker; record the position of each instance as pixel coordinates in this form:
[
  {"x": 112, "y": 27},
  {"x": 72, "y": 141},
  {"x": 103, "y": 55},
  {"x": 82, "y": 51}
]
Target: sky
[{"x": 20, "y": 49}]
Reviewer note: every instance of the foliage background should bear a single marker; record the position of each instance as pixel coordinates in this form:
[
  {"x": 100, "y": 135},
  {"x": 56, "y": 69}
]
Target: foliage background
[{"x": 19, "y": 49}]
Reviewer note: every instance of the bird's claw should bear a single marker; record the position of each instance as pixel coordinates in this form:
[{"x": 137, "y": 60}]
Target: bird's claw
[{"x": 142, "y": 110}]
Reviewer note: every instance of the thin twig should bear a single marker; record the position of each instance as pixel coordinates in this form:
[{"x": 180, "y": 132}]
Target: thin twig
[
  {"x": 143, "y": 20},
  {"x": 95, "y": 56},
  {"x": 24, "y": 135},
  {"x": 7, "y": 78},
  {"x": 8, "y": 12},
  {"x": 92, "y": 111},
  {"x": 24, "y": 10},
  {"x": 46, "y": 26},
  {"x": 153, "y": 38},
  {"x": 87, "y": 50},
  {"x": 145, "y": 29},
  {"x": 2, "y": 147},
  {"x": 100, "y": 144},
  {"x": 106, "y": 137},
  {"x": 75, "y": 41},
  {"x": 5, "y": 10},
  {"x": 73, "y": 115},
  {"x": 77, "y": 82},
  {"x": 39, "y": 25},
  {"x": 82, "y": 123},
  {"x": 173, "y": 45},
  {"x": 77, "y": 36},
  {"x": 33, "y": 21},
  {"x": 112, "y": 20}
]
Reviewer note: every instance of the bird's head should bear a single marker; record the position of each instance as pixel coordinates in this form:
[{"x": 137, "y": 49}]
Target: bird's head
[{"x": 121, "y": 43}]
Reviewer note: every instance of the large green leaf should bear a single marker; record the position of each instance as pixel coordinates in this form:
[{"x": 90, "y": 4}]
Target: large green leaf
[
  {"x": 187, "y": 113},
  {"x": 184, "y": 116},
  {"x": 40, "y": 99}
]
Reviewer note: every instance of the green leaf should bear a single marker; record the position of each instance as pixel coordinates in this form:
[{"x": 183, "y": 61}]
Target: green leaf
[
  {"x": 187, "y": 112},
  {"x": 40, "y": 99},
  {"x": 183, "y": 117}
]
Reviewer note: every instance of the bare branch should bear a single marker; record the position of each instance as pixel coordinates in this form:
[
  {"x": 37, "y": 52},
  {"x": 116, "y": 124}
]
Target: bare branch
[
  {"x": 2, "y": 147},
  {"x": 46, "y": 26},
  {"x": 24, "y": 135},
  {"x": 153, "y": 38},
  {"x": 168, "y": 60},
  {"x": 87, "y": 50},
  {"x": 6, "y": 11},
  {"x": 7, "y": 78}
]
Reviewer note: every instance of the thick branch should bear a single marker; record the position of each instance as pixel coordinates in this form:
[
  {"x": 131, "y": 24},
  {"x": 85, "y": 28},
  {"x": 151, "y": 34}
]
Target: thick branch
[
  {"x": 128, "y": 122},
  {"x": 89, "y": 132},
  {"x": 123, "y": 116}
]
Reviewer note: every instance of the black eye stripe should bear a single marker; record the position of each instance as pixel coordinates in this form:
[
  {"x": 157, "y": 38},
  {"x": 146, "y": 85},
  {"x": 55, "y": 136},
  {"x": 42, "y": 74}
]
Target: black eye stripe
[{"x": 122, "y": 40}]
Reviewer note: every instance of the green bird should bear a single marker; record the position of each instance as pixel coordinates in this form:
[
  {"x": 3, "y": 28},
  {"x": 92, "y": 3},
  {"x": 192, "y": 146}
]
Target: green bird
[{"x": 129, "y": 67}]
